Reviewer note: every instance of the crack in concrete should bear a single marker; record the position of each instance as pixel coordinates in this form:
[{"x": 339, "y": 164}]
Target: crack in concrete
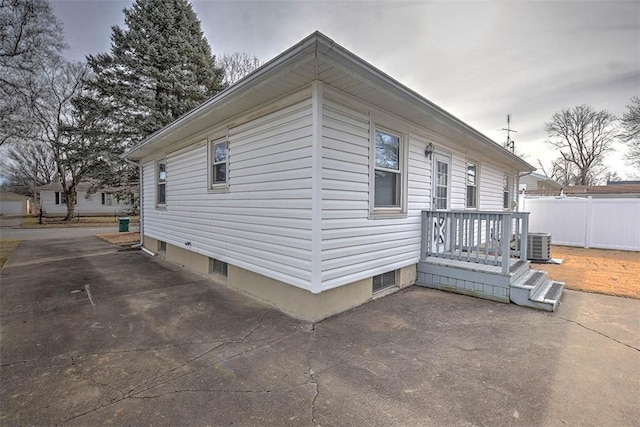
[
  {"x": 220, "y": 390},
  {"x": 132, "y": 394},
  {"x": 4, "y": 364},
  {"x": 311, "y": 373},
  {"x": 596, "y": 331}
]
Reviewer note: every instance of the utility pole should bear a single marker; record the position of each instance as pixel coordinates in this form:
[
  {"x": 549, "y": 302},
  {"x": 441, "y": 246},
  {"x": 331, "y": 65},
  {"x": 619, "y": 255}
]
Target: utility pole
[{"x": 510, "y": 144}]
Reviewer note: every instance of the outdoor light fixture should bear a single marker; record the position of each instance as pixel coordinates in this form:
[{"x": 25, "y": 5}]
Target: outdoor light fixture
[{"x": 428, "y": 151}]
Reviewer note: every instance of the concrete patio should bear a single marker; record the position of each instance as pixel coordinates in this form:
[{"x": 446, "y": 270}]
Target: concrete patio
[{"x": 156, "y": 344}]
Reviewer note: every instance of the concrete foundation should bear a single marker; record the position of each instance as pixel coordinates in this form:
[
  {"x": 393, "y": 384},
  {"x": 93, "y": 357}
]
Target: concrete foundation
[{"x": 294, "y": 301}]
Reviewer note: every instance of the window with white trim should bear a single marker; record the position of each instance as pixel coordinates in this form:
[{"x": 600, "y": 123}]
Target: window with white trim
[
  {"x": 472, "y": 185},
  {"x": 107, "y": 199},
  {"x": 219, "y": 164},
  {"x": 61, "y": 198},
  {"x": 505, "y": 192},
  {"x": 388, "y": 172},
  {"x": 161, "y": 183}
]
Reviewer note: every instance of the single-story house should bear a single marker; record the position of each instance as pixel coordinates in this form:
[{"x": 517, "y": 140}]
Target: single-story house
[
  {"x": 318, "y": 183},
  {"x": 537, "y": 181},
  {"x": 13, "y": 204},
  {"x": 53, "y": 201}
]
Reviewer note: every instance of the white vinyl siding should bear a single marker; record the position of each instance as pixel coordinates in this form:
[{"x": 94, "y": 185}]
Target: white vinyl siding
[
  {"x": 355, "y": 247},
  {"x": 263, "y": 222},
  {"x": 91, "y": 206},
  {"x": 491, "y": 189}
]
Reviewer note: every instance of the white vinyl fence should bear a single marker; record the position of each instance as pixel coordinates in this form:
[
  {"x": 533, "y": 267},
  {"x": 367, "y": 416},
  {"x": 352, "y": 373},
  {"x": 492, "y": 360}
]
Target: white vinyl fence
[{"x": 586, "y": 222}]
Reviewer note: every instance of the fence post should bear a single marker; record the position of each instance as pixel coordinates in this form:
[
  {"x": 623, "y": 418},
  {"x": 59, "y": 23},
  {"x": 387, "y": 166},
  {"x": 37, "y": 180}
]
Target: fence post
[{"x": 588, "y": 223}]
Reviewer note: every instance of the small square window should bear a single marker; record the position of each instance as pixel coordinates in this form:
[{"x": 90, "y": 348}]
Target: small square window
[
  {"x": 162, "y": 246},
  {"x": 384, "y": 281},
  {"x": 218, "y": 267}
]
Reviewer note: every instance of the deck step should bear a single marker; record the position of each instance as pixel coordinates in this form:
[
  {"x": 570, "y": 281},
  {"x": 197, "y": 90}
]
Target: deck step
[
  {"x": 536, "y": 291},
  {"x": 530, "y": 280},
  {"x": 551, "y": 293}
]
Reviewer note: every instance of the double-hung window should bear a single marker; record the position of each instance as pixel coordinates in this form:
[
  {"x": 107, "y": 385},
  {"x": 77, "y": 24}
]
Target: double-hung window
[
  {"x": 161, "y": 183},
  {"x": 107, "y": 199},
  {"x": 472, "y": 185},
  {"x": 388, "y": 168},
  {"x": 219, "y": 156},
  {"x": 505, "y": 192},
  {"x": 61, "y": 198}
]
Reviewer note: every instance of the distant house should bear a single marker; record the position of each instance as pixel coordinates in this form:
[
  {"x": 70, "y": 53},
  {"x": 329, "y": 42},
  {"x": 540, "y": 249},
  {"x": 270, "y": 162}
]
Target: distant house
[
  {"x": 612, "y": 191},
  {"x": 538, "y": 182},
  {"x": 318, "y": 183},
  {"x": 53, "y": 201},
  {"x": 13, "y": 204}
]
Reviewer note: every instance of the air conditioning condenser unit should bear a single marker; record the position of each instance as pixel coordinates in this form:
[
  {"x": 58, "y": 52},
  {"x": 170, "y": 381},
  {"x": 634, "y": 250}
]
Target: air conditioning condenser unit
[{"x": 539, "y": 246}]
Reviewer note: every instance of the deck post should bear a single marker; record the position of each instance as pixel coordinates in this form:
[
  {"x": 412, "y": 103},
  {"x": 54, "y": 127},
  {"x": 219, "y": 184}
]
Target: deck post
[
  {"x": 524, "y": 236},
  {"x": 505, "y": 242},
  {"x": 425, "y": 236}
]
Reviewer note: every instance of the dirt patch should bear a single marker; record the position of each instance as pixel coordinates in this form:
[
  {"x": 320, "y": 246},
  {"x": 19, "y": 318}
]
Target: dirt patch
[
  {"x": 596, "y": 270},
  {"x": 129, "y": 238}
]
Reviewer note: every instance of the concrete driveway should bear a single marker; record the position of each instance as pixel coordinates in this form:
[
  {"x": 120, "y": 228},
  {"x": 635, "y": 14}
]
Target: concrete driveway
[{"x": 158, "y": 345}]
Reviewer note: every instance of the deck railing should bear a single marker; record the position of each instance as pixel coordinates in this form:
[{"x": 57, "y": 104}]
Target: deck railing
[{"x": 481, "y": 237}]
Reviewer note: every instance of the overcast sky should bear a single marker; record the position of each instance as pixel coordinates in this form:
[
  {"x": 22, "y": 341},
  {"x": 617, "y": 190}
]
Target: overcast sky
[{"x": 477, "y": 60}]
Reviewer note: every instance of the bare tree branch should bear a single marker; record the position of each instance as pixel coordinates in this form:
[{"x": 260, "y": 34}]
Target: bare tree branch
[{"x": 583, "y": 137}]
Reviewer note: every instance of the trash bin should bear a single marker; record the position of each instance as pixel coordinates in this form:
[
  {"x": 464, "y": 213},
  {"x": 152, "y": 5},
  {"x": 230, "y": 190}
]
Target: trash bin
[{"x": 123, "y": 224}]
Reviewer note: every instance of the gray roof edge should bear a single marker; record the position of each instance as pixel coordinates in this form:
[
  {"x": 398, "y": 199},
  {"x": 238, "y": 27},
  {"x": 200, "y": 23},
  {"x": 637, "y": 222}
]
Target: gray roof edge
[
  {"x": 380, "y": 75},
  {"x": 319, "y": 43}
]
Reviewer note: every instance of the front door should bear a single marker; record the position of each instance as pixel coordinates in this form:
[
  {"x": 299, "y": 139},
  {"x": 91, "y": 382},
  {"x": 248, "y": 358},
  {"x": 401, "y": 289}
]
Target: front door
[{"x": 441, "y": 181}]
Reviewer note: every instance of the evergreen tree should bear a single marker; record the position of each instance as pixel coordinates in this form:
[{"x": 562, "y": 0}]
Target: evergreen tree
[{"x": 160, "y": 66}]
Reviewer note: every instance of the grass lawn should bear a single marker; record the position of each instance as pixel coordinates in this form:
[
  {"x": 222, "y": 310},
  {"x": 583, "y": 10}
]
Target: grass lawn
[
  {"x": 83, "y": 221},
  {"x": 6, "y": 249}
]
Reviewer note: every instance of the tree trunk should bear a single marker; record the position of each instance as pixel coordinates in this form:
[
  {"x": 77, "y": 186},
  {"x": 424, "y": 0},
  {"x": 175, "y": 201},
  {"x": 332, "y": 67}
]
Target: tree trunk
[{"x": 71, "y": 204}]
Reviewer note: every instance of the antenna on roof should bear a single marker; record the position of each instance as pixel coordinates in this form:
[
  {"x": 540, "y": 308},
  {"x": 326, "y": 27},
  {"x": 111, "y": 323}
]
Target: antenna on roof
[{"x": 510, "y": 144}]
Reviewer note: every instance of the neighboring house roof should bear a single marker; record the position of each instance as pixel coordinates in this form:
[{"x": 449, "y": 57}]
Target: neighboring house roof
[
  {"x": 56, "y": 186},
  {"x": 4, "y": 195},
  {"x": 586, "y": 190},
  {"x": 541, "y": 178},
  {"x": 82, "y": 186},
  {"x": 622, "y": 182},
  {"x": 317, "y": 57}
]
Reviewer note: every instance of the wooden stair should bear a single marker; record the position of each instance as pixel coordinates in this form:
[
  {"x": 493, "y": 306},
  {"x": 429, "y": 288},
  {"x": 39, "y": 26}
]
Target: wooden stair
[
  {"x": 521, "y": 285},
  {"x": 534, "y": 289}
]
